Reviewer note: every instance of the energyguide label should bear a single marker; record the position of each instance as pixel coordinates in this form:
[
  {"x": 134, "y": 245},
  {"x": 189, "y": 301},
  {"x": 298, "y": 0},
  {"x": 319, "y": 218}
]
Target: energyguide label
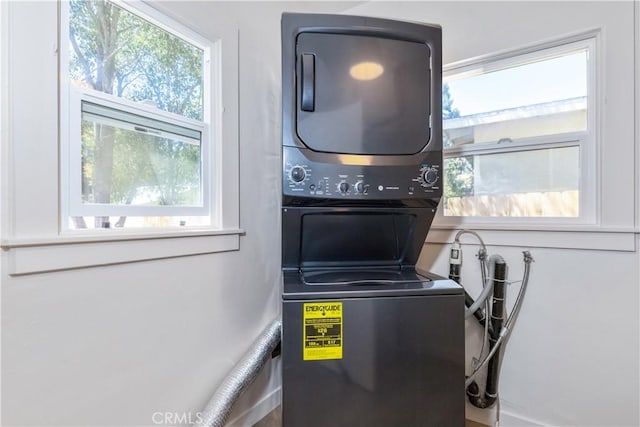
[{"x": 322, "y": 331}]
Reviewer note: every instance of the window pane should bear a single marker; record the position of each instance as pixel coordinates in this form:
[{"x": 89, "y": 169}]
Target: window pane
[
  {"x": 125, "y": 164},
  {"x": 538, "y": 183},
  {"x": 90, "y": 222},
  {"x": 116, "y": 52},
  {"x": 538, "y": 98}
]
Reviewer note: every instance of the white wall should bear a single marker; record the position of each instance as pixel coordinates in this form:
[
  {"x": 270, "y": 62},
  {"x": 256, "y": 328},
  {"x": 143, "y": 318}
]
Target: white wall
[
  {"x": 573, "y": 356},
  {"x": 112, "y": 345}
]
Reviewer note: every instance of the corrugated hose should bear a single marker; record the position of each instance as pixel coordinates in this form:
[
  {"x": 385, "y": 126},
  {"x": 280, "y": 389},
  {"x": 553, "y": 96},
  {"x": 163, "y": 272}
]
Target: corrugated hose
[{"x": 241, "y": 376}]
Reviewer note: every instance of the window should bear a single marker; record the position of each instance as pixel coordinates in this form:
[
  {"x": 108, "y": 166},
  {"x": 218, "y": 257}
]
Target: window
[
  {"x": 137, "y": 150},
  {"x": 44, "y": 139},
  {"x": 519, "y": 135}
]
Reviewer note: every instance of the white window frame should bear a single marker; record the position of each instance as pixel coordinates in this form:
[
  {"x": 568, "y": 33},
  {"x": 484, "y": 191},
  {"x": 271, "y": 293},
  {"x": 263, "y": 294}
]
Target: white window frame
[
  {"x": 586, "y": 140},
  {"x": 33, "y": 240},
  {"x": 78, "y": 208},
  {"x": 71, "y": 117}
]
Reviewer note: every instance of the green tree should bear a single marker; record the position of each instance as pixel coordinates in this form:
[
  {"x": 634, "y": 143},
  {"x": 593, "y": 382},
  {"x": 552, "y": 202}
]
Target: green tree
[
  {"x": 458, "y": 179},
  {"x": 448, "y": 110},
  {"x": 116, "y": 52}
]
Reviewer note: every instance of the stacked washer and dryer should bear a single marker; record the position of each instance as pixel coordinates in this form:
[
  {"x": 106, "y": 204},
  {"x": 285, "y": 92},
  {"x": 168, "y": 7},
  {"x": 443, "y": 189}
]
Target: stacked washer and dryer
[{"x": 367, "y": 339}]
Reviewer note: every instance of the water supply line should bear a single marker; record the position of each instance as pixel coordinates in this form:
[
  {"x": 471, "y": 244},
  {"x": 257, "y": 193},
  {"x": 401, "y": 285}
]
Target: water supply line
[
  {"x": 241, "y": 376},
  {"x": 500, "y": 326},
  {"x": 455, "y": 262}
]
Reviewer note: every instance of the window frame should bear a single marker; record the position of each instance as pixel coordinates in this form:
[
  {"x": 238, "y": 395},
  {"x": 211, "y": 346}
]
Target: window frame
[
  {"x": 586, "y": 141},
  {"x": 71, "y": 98},
  {"x": 32, "y": 236},
  {"x": 78, "y": 208}
]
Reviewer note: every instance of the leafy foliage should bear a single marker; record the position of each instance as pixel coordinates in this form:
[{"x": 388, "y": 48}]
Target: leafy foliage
[
  {"x": 121, "y": 54},
  {"x": 458, "y": 179},
  {"x": 448, "y": 110},
  {"x": 146, "y": 169}
]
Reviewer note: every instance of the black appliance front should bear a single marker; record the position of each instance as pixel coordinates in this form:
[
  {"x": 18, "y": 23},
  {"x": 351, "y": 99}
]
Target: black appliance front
[
  {"x": 367, "y": 340},
  {"x": 317, "y": 237},
  {"x": 361, "y": 109},
  {"x": 400, "y": 361},
  {"x": 366, "y": 94}
]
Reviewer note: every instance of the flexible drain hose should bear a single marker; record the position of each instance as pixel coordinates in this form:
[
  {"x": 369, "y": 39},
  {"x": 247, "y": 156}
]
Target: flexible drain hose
[
  {"x": 240, "y": 377},
  {"x": 481, "y": 299},
  {"x": 508, "y": 326}
]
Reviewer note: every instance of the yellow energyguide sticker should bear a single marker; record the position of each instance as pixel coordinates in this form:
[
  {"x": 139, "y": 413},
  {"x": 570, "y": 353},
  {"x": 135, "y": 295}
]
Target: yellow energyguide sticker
[{"x": 322, "y": 331}]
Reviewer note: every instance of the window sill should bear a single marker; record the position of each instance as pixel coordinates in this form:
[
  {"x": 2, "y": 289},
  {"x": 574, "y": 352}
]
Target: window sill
[
  {"x": 575, "y": 237},
  {"x": 77, "y": 250}
]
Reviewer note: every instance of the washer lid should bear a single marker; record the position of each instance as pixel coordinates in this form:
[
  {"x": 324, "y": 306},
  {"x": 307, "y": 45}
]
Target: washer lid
[{"x": 371, "y": 283}]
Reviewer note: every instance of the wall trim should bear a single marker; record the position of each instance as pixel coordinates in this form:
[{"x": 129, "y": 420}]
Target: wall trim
[
  {"x": 604, "y": 240},
  {"x": 40, "y": 257},
  {"x": 259, "y": 410},
  {"x": 96, "y": 236},
  {"x": 636, "y": 25},
  {"x": 511, "y": 419}
]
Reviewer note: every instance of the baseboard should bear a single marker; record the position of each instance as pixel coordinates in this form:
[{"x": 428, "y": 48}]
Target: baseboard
[
  {"x": 511, "y": 419},
  {"x": 258, "y": 411},
  {"x": 248, "y": 418}
]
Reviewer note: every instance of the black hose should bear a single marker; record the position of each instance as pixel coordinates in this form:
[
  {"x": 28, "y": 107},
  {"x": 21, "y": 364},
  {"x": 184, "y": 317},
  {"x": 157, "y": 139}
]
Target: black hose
[
  {"x": 473, "y": 393},
  {"x": 497, "y": 322},
  {"x": 454, "y": 273}
]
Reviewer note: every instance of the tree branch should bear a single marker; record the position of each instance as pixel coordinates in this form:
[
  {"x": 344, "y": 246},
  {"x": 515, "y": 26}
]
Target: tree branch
[
  {"x": 187, "y": 98},
  {"x": 85, "y": 64}
]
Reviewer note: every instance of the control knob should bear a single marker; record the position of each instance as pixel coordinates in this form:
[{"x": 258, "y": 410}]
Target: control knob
[
  {"x": 359, "y": 187},
  {"x": 430, "y": 177},
  {"x": 297, "y": 174},
  {"x": 343, "y": 187}
]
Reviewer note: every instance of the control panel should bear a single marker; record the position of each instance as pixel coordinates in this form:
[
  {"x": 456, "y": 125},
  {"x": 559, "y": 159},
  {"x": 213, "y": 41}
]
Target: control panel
[{"x": 306, "y": 178}]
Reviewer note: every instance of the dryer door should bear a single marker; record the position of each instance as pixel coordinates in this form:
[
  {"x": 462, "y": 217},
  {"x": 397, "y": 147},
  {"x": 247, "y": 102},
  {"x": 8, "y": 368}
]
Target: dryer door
[{"x": 362, "y": 95}]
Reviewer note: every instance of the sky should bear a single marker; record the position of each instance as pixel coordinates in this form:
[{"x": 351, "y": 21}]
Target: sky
[{"x": 534, "y": 83}]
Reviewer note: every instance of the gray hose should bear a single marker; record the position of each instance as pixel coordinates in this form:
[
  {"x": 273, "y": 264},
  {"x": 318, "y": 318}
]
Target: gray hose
[
  {"x": 481, "y": 299},
  {"x": 473, "y": 233},
  {"x": 486, "y": 290},
  {"x": 240, "y": 377}
]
